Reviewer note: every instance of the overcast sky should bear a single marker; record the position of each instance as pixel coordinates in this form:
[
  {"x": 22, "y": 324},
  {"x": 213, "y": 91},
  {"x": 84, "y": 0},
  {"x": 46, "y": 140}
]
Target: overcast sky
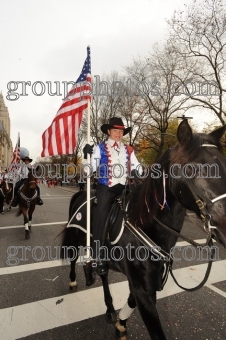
[{"x": 46, "y": 40}]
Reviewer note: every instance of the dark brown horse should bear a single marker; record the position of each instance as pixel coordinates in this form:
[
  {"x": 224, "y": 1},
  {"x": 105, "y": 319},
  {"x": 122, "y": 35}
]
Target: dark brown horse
[
  {"x": 191, "y": 175},
  {"x": 27, "y": 201}
]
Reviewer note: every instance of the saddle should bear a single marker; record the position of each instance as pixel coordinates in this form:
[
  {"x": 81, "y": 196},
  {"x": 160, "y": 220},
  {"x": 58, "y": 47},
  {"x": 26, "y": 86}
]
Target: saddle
[{"x": 114, "y": 223}]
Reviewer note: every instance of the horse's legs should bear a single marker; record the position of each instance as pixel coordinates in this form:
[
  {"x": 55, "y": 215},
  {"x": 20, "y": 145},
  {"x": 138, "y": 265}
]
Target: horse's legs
[
  {"x": 124, "y": 314},
  {"x": 27, "y": 234},
  {"x": 88, "y": 274},
  {"x": 8, "y": 201},
  {"x": 7, "y": 198},
  {"x": 110, "y": 313},
  {"x": 30, "y": 219},
  {"x": 73, "y": 284},
  {"x": 146, "y": 303}
]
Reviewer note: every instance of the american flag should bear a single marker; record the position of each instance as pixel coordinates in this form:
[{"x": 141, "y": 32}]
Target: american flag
[
  {"x": 16, "y": 153},
  {"x": 60, "y": 137}
]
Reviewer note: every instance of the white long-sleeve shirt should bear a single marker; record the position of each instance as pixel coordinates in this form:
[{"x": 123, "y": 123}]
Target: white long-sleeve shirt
[
  {"x": 23, "y": 171},
  {"x": 117, "y": 162}
]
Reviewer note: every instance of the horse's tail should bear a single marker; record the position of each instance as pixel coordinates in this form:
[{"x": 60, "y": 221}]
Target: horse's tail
[{"x": 68, "y": 238}]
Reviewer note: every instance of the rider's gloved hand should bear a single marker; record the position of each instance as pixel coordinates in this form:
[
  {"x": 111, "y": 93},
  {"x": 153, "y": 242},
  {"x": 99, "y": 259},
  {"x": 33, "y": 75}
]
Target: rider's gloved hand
[{"x": 88, "y": 149}]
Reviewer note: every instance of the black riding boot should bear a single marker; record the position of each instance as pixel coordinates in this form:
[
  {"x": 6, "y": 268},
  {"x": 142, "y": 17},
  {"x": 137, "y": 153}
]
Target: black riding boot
[{"x": 39, "y": 200}]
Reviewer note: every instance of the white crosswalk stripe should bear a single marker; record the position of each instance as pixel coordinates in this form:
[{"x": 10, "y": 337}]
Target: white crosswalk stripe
[{"x": 88, "y": 304}]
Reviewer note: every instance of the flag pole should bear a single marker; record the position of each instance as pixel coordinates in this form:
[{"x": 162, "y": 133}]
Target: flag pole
[{"x": 88, "y": 184}]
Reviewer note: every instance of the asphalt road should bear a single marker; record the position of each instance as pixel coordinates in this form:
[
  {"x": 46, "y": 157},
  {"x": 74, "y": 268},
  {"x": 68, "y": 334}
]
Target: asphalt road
[{"x": 35, "y": 302}]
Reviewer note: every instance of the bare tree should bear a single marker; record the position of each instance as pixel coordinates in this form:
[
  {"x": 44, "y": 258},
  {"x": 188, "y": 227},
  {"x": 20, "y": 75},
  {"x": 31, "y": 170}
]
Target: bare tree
[
  {"x": 153, "y": 79},
  {"x": 198, "y": 39},
  {"x": 79, "y": 145}
]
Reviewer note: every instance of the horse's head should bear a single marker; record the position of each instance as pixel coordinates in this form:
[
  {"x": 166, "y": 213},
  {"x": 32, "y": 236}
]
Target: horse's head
[
  {"x": 197, "y": 175},
  {"x": 31, "y": 180}
]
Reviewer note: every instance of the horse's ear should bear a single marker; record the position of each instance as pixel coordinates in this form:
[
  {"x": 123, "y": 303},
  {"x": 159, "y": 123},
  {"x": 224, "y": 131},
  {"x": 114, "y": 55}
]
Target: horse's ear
[
  {"x": 184, "y": 132},
  {"x": 218, "y": 133}
]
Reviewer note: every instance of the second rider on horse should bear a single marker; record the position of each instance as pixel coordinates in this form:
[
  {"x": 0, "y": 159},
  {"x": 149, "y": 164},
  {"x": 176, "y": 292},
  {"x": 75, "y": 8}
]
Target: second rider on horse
[{"x": 22, "y": 174}]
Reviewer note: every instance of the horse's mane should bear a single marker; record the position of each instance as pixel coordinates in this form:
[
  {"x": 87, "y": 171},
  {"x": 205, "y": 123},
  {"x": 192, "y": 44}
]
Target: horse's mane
[
  {"x": 143, "y": 205},
  {"x": 183, "y": 154}
]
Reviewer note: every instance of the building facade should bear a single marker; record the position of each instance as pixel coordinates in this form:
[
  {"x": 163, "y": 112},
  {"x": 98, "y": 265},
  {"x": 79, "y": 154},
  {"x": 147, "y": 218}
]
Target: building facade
[{"x": 6, "y": 149}]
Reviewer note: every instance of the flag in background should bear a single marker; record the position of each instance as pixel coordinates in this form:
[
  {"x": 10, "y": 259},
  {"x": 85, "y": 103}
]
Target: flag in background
[
  {"x": 60, "y": 137},
  {"x": 16, "y": 153}
]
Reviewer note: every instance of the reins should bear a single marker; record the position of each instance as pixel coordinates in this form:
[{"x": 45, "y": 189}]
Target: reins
[
  {"x": 166, "y": 257},
  {"x": 200, "y": 285},
  {"x": 25, "y": 198},
  {"x": 209, "y": 243},
  {"x": 176, "y": 233}
]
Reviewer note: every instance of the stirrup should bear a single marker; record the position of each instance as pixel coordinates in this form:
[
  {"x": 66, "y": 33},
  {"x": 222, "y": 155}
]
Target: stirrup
[
  {"x": 40, "y": 201},
  {"x": 101, "y": 267}
]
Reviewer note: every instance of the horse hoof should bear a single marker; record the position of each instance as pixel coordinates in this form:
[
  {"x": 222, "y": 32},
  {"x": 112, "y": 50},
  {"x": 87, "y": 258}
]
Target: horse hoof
[
  {"x": 73, "y": 286},
  {"x": 112, "y": 317},
  {"x": 90, "y": 283},
  {"x": 27, "y": 235},
  {"x": 120, "y": 332},
  {"x": 2, "y": 213},
  {"x": 73, "y": 289},
  {"x": 29, "y": 227}
]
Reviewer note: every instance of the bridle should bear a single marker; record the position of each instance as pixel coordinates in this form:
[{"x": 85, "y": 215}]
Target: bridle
[
  {"x": 31, "y": 181},
  {"x": 202, "y": 202}
]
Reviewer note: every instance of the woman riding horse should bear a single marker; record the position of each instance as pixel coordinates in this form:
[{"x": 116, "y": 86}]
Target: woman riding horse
[
  {"x": 112, "y": 151},
  {"x": 7, "y": 188}
]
